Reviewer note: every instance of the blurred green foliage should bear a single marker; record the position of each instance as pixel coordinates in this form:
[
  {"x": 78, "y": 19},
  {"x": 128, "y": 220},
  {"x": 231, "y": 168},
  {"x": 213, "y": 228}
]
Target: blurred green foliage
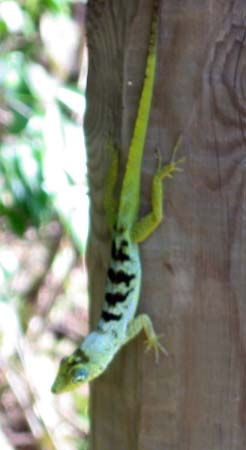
[
  {"x": 43, "y": 207},
  {"x": 40, "y": 119}
]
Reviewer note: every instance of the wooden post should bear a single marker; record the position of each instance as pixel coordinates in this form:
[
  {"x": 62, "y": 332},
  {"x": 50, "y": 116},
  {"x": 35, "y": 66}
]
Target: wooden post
[{"x": 194, "y": 265}]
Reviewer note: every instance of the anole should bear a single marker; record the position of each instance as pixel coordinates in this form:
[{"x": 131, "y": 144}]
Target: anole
[{"x": 118, "y": 324}]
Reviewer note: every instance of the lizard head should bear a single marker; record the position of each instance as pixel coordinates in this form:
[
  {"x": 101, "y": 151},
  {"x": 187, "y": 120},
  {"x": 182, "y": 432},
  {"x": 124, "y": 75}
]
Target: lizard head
[{"x": 73, "y": 371}]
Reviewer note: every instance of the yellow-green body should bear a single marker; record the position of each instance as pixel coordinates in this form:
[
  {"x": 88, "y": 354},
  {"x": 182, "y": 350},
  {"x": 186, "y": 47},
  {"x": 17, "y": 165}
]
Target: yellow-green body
[{"x": 118, "y": 323}]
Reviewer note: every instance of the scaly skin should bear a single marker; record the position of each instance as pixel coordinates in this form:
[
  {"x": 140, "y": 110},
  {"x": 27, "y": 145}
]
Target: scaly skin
[{"x": 118, "y": 323}]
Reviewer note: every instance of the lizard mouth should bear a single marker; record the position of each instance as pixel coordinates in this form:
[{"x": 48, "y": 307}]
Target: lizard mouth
[
  {"x": 58, "y": 387},
  {"x": 55, "y": 388}
]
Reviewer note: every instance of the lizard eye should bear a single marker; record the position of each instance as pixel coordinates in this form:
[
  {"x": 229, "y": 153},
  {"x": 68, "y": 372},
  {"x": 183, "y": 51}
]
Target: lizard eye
[{"x": 80, "y": 375}]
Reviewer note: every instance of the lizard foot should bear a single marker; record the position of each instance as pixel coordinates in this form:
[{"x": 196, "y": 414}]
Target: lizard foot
[
  {"x": 154, "y": 342},
  {"x": 168, "y": 169}
]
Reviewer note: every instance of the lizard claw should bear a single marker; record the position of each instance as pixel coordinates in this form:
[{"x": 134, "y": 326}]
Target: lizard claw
[
  {"x": 154, "y": 342},
  {"x": 158, "y": 158}
]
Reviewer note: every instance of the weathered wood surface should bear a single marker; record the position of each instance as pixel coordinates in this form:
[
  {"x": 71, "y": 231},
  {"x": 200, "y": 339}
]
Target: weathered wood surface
[{"x": 195, "y": 264}]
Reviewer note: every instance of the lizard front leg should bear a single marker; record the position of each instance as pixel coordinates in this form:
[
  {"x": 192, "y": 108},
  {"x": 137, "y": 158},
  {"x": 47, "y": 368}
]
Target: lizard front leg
[
  {"x": 143, "y": 322},
  {"x": 146, "y": 225}
]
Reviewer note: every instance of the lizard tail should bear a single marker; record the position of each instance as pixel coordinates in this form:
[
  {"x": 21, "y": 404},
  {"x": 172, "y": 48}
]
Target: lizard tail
[{"x": 129, "y": 199}]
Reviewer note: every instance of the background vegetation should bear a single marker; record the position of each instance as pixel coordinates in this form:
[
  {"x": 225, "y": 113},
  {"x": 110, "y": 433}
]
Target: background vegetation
[{"x": 43, "y": 221}]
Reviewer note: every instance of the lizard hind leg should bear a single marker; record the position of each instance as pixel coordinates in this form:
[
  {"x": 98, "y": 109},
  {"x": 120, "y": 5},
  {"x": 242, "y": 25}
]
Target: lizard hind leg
[
  {"x": 146, "y": 225},
  {"x": 143, "y": 322}
]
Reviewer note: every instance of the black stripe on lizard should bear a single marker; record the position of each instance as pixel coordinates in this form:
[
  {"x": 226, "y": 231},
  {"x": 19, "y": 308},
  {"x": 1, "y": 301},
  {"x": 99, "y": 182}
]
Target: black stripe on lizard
[
  {"x": 116, "y": 297},
  {"x": 107, "y": 316},
  {"x": 119, "y": 276},
  {"x": 118, "y": 253}
]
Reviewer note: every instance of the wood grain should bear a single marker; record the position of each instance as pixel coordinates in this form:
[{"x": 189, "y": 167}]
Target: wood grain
[{"x": 195, "y": 264}]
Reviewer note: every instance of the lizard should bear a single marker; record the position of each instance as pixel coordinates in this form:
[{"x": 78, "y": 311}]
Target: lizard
[{"x": 118, "y": 324}]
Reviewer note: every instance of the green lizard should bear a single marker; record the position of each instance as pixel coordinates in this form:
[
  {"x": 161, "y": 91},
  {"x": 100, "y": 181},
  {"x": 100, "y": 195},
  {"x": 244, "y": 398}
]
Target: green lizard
[{"x": 118, "y": 324}]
